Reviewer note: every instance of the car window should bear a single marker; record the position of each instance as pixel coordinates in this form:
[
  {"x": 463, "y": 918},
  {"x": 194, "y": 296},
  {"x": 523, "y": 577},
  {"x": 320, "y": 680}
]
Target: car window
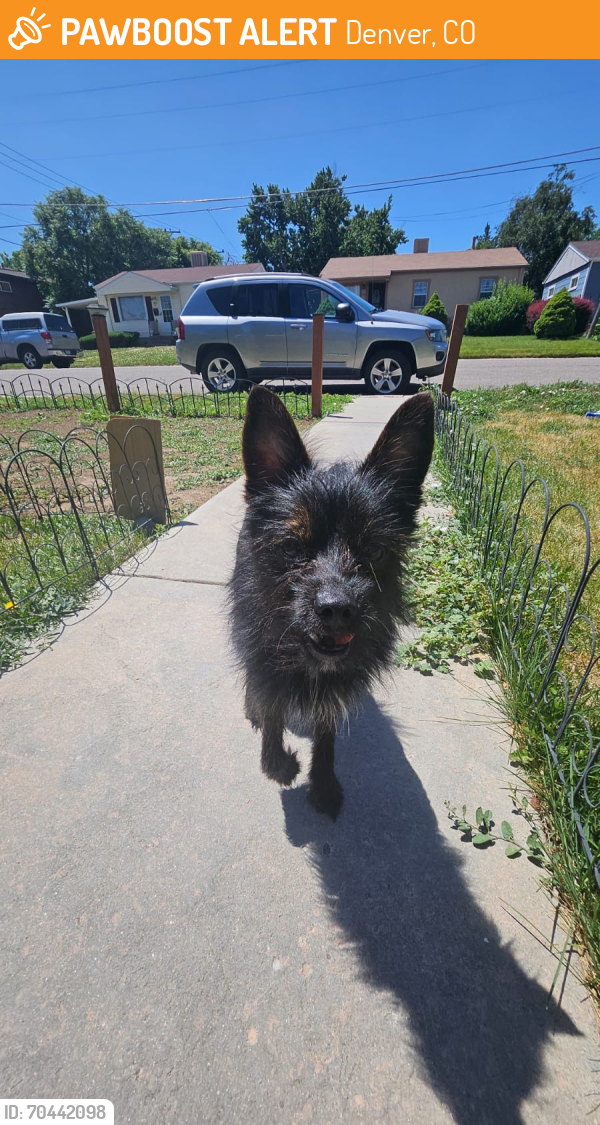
[
  {"x": 306, "y": 300},
  {"x": 220, "y": 297},
  {"x": 23, "y": 324},
  {"x": 57, "y": 322},
  {"x": 257, "y": 300}
]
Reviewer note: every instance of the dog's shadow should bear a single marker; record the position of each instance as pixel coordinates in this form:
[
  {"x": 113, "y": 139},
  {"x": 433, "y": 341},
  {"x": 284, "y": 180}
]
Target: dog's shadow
[{"x": 478, "y": 1022}]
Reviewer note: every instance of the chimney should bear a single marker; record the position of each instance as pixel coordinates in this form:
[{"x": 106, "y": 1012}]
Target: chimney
[
  {"x": 198, "y": 258},
  {"x": 474, "y": 242},
  {"x": 421, "y": 246}
]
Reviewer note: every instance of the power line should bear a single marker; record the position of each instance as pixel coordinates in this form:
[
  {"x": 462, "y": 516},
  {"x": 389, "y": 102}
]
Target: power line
[
  {"x": 327, "y": 131},
  {"x": 373, "y": 185},
  {"x": 250, "y": 101},
  {"x": 161, "y": 81}
]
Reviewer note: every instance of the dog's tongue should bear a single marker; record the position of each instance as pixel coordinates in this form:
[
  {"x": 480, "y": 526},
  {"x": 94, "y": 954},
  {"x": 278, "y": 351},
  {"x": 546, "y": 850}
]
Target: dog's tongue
[{"x": 345, "y": 640}]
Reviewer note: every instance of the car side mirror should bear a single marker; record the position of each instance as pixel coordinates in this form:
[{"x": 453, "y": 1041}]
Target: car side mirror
[{"x": 344, "y": 312}]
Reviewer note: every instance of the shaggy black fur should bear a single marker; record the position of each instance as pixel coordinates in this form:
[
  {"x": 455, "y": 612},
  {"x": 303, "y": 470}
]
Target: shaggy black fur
[{"x": 316, "y": 593}]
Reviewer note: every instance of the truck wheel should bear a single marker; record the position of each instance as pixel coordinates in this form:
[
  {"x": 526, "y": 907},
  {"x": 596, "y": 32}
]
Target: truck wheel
[
  {"x": 29, "y": 357},
  {"x": 62, "y": 362},
  {"x": 387, "y": 372}
]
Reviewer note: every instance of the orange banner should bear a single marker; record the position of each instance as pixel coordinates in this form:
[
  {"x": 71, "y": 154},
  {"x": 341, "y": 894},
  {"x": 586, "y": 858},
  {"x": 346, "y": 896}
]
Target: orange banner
[{"x": 450, "y": 30}]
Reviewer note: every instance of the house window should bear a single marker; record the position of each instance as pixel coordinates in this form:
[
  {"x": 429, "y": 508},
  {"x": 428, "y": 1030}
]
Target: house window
[
  {"x": 5, "y": 287},
  {"x": 486, "y": 287},
  {"x": 420, "y": 291},
  {"x": 114, "y": 308},
  {"x": 551, "y": 291},
  {"x": 166, "y": 309},
  {"x": 132, "y": 308},
  {"x": 574, "y": 282}
]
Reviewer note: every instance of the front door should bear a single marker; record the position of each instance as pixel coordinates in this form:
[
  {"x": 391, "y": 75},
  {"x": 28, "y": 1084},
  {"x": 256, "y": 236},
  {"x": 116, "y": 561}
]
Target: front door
[
  {"x": 339, "y": 345},
  {"x": 257, "y": 329},
  {"x": 153, "y": 328},
  {"x": 166, "y": 314}
]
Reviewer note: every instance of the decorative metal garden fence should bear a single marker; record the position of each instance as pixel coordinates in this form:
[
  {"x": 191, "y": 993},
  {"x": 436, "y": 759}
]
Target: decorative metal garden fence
[
  {"x": 537, "y": 562},
  {"x": 67, "y": 518},
  {"x": 184, "y": 396}
]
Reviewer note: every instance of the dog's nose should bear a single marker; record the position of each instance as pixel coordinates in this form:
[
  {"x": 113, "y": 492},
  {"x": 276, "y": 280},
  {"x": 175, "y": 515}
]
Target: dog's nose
[{"x": 336, "y": 608}]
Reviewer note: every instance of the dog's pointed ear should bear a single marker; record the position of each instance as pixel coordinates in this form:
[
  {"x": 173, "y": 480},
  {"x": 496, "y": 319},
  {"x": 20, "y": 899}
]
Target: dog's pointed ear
[
  {"x": 402, "y": 452},
  {"x": 271, "y": 445}
]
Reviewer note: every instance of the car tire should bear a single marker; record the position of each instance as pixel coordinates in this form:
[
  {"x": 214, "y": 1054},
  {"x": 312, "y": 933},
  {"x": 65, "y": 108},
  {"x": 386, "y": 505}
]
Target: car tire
[
  {"x": 222, "y": 371},
  {"x": 29, "y": 357},
  {"x": 387, "y": 372},
  {"x": 62, "y": 362}
]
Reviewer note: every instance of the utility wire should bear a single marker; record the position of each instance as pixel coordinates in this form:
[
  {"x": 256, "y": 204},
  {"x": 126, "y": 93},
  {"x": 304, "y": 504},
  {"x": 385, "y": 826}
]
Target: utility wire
[
  {"x": 418, "y": 181},
  {"x": 251, "y": 101}
]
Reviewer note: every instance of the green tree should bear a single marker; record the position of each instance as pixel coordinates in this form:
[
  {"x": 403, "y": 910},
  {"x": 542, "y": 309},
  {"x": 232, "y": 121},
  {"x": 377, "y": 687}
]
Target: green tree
[
  {"x": 78, "y": 242},
  {"x": 541, "y": 225},
  {"x": 370, "y": 232},
  {"x": 487, "y": 240},
  {"x": 301, "y": 232}
]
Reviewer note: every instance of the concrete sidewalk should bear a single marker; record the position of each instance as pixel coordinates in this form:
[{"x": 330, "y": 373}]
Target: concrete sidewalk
[{"x": 184, "y": 939}]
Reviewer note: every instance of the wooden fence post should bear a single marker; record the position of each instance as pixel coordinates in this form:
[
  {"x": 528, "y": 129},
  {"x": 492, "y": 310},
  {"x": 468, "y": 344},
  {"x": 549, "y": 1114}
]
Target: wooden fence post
[
  {"x": 456, "y": 335},
  {"x": 318, "y": 325},
  {"x": 113, "y": 401}
]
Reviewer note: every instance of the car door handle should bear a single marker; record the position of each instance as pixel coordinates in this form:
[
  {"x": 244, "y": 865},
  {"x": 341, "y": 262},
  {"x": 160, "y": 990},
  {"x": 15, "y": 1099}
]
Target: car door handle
[{"x": 298, "y": 327}]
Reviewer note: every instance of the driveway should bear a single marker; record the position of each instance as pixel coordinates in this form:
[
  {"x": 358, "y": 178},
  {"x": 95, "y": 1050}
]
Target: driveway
[{"x": 471, "y": 375}]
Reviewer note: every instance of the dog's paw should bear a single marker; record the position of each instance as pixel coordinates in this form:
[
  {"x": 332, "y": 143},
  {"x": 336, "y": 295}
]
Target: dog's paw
[
  {"x": 327, "y": 796},
  {"x": 285, "y": 769}
]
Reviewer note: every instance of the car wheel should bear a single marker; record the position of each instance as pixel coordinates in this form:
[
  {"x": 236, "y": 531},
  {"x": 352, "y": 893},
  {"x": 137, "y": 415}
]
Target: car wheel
[
  {"x": 223, "y": 371},
  {"x": 62, "y": 362},
  {"x": 30, "y": 358},
  {"x": 387, "y": 372}
]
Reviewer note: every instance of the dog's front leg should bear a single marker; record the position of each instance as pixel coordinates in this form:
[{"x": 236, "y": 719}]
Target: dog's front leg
[
  {"x": 279, "y": 764},
  {"x": 325, "y": 792}
]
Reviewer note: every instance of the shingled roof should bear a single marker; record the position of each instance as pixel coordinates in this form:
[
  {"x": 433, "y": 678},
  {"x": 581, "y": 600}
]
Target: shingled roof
[
  {"x": 383, "y": 265},
  {"x": 181, "y": 274}
]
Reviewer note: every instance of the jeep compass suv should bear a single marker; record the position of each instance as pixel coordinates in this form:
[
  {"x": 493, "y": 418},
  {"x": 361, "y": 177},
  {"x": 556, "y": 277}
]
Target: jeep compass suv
[{"x": 243, "y": 329}]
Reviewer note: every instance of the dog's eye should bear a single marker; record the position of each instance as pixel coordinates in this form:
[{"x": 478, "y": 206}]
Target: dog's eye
[
  {"x": 375, "y": 554},
  {"x": 293, "y": 549}
]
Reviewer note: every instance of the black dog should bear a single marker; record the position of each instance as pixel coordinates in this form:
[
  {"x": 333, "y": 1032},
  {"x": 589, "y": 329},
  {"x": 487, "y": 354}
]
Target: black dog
[{"x": 316, "y": 593}]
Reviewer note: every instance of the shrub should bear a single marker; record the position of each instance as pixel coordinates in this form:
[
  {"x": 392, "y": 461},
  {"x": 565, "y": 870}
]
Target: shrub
[
  {"x": 117, "y": 340},
  {"x": 502, "y": 314},
  {"x": 584, "y": 311},
  {"x": 436, "y": 308},
  {"x": 534, "y": 313},
  {"x": 557, "y": 321}
]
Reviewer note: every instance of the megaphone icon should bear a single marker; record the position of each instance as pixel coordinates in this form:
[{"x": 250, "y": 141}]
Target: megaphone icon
[{"x": 26, "y": 31}]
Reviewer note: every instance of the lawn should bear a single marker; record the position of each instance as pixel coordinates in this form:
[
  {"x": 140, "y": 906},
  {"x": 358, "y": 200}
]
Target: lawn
[
  {"x": 546, "y": 428},
  {"x": 163, "y": 356},
  {"x": 201, "y": 456},
  {"x": 508, "y": 347}
]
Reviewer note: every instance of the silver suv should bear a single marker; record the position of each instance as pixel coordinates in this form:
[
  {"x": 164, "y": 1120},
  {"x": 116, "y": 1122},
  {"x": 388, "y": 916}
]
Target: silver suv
[
  {"x": 37, "y": 338},
  {"x": 243, "y": 329}
]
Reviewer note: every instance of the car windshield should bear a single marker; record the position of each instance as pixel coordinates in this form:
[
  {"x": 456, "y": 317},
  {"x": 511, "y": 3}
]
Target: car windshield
[{"x": 347, "y": 293}]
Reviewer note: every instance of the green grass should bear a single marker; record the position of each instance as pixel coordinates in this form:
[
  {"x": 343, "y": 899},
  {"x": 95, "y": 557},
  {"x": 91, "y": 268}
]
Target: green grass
[
  {"x": 546, "y": 429},
  {"x": 161, "y": 356},
  {"x": 447, "y": 600},
  {"x": 509, "y": 347},
  {"x": 201, "y": 456}
]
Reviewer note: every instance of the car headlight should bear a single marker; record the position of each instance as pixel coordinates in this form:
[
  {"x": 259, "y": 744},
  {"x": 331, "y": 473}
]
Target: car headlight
[{"x": 437, "y": 335}]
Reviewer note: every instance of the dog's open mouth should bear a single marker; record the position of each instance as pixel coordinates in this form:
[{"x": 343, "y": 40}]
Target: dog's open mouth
[{"x": 332, "y": 646}]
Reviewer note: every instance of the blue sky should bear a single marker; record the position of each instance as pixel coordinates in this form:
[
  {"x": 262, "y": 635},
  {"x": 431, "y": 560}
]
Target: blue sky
[{"x": 214, "y": 128}]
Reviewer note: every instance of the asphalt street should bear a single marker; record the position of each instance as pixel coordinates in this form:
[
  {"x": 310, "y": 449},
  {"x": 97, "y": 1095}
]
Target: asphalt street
[{"x": 471, "y": 374}]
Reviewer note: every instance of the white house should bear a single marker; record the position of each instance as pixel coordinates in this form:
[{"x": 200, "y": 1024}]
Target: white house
[{"x": 148, "y": 301}]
